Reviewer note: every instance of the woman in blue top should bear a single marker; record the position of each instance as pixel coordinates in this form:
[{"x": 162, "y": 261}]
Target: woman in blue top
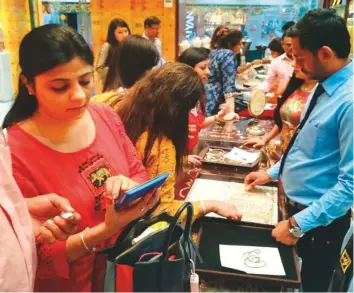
[{"x": 223, "y": 68}]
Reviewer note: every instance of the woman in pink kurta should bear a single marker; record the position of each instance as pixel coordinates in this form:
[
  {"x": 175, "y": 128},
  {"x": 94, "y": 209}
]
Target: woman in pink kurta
[{"x": 18, "y": 261}]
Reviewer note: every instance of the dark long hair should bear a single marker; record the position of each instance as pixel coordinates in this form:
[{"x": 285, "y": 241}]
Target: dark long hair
[
  {"x": 160, "y": 103},
  {"x": 42, "y": 49},
  {"x": 111, "y": 38},
  {"x": 219, "y": 32},
  {"x": 293, "y": 84},
  {"x": 230, "y": 39},
  {"x": 130, "y": 60},
  {"x": 192, "y": 56}
]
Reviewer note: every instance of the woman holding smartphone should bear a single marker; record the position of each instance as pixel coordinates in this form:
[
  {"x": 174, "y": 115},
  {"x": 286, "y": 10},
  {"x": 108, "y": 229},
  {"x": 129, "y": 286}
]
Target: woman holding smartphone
[{"x": 62, "y": 144}]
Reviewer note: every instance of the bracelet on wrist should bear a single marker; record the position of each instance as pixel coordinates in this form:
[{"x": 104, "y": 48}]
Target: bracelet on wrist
[{"x": 93, "y": 249}]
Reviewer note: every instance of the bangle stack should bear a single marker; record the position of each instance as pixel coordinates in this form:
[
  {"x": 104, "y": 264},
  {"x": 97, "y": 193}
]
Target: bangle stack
[{"x": 84, "y": 243}]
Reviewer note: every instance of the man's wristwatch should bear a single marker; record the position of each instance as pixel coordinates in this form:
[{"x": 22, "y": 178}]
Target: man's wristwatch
[{"x": 295, "y": 230}]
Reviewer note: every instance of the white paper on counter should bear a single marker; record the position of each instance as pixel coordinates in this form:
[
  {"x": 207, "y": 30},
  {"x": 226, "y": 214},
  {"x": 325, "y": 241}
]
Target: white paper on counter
[
  {"x": 252, "y": 259},
  {"x": 237, "y": 154}
]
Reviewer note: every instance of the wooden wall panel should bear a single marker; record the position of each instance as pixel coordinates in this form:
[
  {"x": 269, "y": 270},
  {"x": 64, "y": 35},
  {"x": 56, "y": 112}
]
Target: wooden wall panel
[
  {"x": 15, "y": 19},
  {"x": 134, "y": 12}
]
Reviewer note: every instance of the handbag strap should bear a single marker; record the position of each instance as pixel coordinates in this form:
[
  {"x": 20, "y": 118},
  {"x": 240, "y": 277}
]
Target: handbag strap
[{"x": 187, "y": 228}]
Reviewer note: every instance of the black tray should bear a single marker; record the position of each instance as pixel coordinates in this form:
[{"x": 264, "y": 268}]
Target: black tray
[{"x": 212, "y": 233}]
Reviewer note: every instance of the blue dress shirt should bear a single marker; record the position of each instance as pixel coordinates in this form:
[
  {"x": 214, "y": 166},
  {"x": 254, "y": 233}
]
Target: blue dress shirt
[{"x": 318, "y": 170}]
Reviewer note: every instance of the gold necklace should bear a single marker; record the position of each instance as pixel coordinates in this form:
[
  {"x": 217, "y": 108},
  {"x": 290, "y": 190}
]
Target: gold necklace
[{"x": 307, "y": 88}]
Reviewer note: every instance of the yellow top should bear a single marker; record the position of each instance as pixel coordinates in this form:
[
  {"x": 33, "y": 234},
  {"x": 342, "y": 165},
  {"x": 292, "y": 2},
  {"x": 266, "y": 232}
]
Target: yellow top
[
  {"x": 163, "y": 159},
  {"x": 109, "y": 98}
]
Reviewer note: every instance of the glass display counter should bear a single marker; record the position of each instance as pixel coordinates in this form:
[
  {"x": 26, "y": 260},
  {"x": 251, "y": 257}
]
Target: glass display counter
[{"x": 259, "y": 20}]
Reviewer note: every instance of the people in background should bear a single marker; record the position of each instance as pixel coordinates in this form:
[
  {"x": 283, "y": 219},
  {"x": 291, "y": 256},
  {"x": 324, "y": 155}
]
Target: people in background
[
  {"x": 223, "y": 68},
  {"x": 118, "y": 30},
  {"x": 24, "y": 223},
  {"x": 275, "y": 47},
  {"x": 198, "y": 58},
  {"x": 60, "y": 143},
  {"x": 316, "y": 170},
  {"x": 219, "y": 31},
  {"x": 155, "y": 114},
  {"x": 152, "y": 27},
  {"x": 47, "y": 18},
  {"x": 131, "y": 59},
  {"x": 286, "y": 117},
  {"x": 280, "y": 70},
  {"x": 287, "y": 25}
]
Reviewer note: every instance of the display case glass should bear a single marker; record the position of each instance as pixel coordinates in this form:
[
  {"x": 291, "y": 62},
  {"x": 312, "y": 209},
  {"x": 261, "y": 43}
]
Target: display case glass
[
  {"x": 75, "y": 13},
  {"x": 259, "y": 20}
]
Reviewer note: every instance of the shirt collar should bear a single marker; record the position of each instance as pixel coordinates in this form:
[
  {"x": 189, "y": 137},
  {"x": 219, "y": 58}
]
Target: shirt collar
[
  {"x": 284, "y": 56},
  {"x": 145, "y": 36},
  {"x": 333, "y": 82}
]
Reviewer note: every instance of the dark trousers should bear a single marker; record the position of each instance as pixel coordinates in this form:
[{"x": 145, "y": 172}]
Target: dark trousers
[{"x": 320, "y": 251}]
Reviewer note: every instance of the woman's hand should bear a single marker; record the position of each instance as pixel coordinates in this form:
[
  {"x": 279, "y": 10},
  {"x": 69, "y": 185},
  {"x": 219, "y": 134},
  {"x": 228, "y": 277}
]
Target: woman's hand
[
  {"x": 256, "y": 62},
  {"x": 227, "y": 210},
  {"x": 117, "y": 220},
  {"x": 194, "y": 160},
  {"x": 256, "y": 143},
  {"x": 48, "y": 224},
  {"x": 115, "y": 188},
  {"x": 117, "y": 185}
]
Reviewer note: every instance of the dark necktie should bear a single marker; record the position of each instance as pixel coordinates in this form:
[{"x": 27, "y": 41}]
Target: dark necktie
[{"x": 319, "y": 91}]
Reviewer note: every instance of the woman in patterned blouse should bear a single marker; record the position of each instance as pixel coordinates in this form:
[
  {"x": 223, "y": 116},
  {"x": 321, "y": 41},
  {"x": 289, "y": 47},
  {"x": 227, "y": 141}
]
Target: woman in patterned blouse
[
  {"x": 155, "y": 114},
  {"x": 223, "y": 68}
]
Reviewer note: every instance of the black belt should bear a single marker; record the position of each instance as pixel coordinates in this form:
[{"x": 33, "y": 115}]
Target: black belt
[{"x": 296, "y": 205}]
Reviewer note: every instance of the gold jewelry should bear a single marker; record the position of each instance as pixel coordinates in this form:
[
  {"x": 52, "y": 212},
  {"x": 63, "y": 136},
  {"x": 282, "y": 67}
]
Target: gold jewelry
[
  {"x": 307, "y": 88},
  {"x": 84, "y": 243}
]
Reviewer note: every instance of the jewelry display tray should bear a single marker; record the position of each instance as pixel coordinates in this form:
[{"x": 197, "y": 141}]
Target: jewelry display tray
[
  {"x": 223, "y": 161},
  {"x": 213, "y": 232}
]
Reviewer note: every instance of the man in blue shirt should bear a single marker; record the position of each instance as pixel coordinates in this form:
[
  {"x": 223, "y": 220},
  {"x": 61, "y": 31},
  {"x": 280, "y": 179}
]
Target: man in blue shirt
[
  {"x": 316, "y": 171},
  {"x": 152, "y": 29}
]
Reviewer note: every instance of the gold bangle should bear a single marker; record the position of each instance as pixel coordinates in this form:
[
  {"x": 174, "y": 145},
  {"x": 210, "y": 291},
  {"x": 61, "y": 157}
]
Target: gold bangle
[{"x": 84, "y": 243}]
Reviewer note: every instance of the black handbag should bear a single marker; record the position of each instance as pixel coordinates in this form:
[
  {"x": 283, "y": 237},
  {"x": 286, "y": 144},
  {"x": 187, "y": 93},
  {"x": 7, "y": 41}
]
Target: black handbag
[{"x": 160, "y": 262}]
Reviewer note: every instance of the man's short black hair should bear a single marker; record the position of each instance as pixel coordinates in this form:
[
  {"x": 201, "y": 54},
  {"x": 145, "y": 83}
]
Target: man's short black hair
[
  {"x": 151, "y": 20},
  {"x": 287, "y": 25},
  {"x": 275, "y": 45},
  {"x": 322, "y": 27}
]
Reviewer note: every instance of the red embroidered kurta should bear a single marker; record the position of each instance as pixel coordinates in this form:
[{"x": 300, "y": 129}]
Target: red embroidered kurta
[
  {"x": 80, "y": 177},
  {"x": 196, "y": 119}
]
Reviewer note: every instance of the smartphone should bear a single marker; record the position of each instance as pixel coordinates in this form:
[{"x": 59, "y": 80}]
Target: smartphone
[{"x": 140, "y": 190}]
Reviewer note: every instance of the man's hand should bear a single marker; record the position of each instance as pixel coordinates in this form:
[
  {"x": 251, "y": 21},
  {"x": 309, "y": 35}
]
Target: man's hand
[
  {"x": 256, "y": 178},
  {"x": 282, "y": 234},
  {"x": 48, "y": 225}
]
